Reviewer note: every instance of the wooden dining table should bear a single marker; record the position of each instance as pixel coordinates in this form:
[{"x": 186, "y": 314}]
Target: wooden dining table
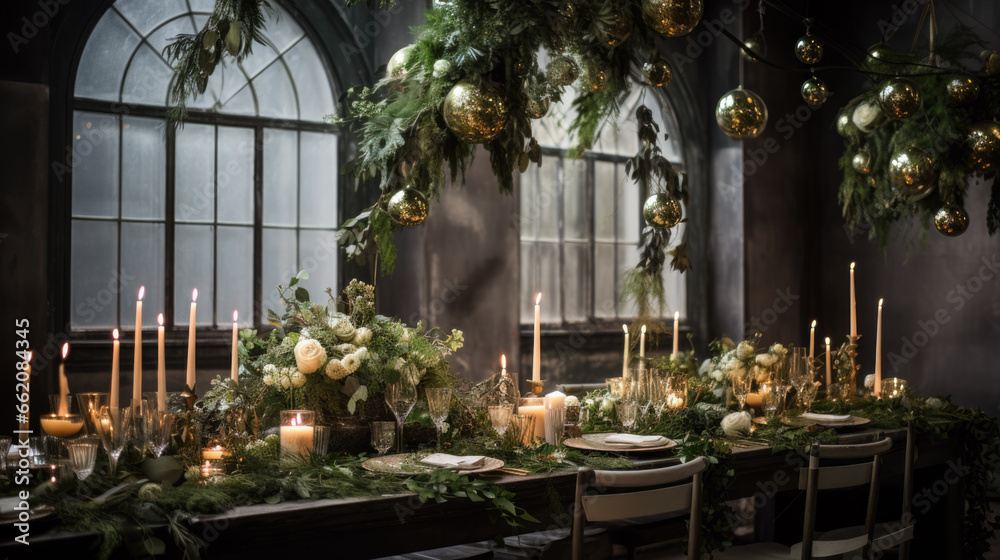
[{"x": 371, "y": 527}]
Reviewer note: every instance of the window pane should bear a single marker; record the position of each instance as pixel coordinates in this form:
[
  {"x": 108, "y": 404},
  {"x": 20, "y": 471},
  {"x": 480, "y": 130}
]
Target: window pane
[
  {"x": 146, "y": 15},
  {"x": 280, "y": 177},
  {"x": 311, "y": 82},
  {"x": 102, "y": 64},
  {"x": 318, "y": 181},
  {"x": 93, "y": 280},
  {"x": 144, "y": 170},
  {"x": 575, "y": 281},
  {"x": 194, "y": 263},
  {"x": 235, "y": 270},
  {"x": 604, "y": 280},
  {"x": 549, "y": 274},
  {"x": 165, "y": 35},
  {"x": 604, "y": 201},
  {"x": 235, "y": 175},
  {"x": 547, "y": 201},
  {"x": 242, "y": 103},
  {"x": 194, "y": 173},
  {"x": 142, "y": 259},
  {"x": 575, "y": 200},
  {"x": 278, "y": 254},
  {"x": 147, "y": 79},
  {"x": 629, "y": 207},
  {"x": 628, "y": 256},
  {"x": 233, "y": 82},
  {"x": 529, "y": 206},
  {"x": 282, "y": 29},
  {"x": 318, "y": 255},
  {"x": 275, "y": 94},
  {"x": 528, "y": 286},
  {"x": 94, "y": 165}
]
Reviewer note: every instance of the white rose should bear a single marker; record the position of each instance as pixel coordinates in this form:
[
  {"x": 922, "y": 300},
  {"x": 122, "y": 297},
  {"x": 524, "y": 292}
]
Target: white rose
[
  {"x": 268, "y": 379},
  {"x": 870, "y": 380},
  {"x": 345, "y": 348},
  {"x": 285, "y": 381},
  {"x": 298, "y": 379},
  {"x": 744, "y": 351},
  {"x": 362, "y": 336},
  {"x": 336, "y": 370},
  {"x": 736, "y": 424},
  {"x": 270, "y": 369},
  {"x": 706, "y": 367},
  {"x": 350, "y": 363},
  {"x": 344, "y": 330},
  {"x": 572, "y": 401},
  {"x": 778, "y": 348},
  {"x": 361, "y": 353},
  {"x": 309, "y": 355},
  {"x": 934, "y": 402}
]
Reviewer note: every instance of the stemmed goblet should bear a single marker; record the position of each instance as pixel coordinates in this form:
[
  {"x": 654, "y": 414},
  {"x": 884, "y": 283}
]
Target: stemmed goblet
[
  {"x": 114, "y": 427},
  {"x": 741, "y": 388},
  {"x": 400, "y": 396},
  {"x": 438, "y": 402},
  {"x": 383, "y": 435},
  {"x": 500, "y": 417}
]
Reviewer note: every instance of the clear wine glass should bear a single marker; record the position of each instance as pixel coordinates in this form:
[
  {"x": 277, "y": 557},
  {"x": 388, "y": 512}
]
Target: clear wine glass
[
  {"x": 82, "y": 455},
  {"x": 114, "y": 427},
  {"x": 807, "y": 394},
  {"x": 158, "y": 436},
  {"x": 627, "y": 411},
  {"x": 401, "y": 396},
  {"x": 500, "y": 417},
  {"x": 383, "y": 436},
  {"x": 741, "y": 388},
  {"x": 438, "y": 403}
]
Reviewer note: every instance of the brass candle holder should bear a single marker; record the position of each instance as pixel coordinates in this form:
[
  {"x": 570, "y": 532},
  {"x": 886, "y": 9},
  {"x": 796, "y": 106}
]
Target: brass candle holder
[
  {"x": 536, "y": 386},
  {"x": 851, "y": 389}
]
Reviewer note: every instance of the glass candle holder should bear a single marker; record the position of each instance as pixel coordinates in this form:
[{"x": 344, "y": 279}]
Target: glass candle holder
[
  {"x": 296, "y": 434},
  {"x": 90, "y": 408},
  {"x": 893, "y": 388},
  {"x": 535, "y": 408},
  {"x": 522, "y": 429},
  {"x": 676, "y": 392},
  {"x": 61, "y": 426}
]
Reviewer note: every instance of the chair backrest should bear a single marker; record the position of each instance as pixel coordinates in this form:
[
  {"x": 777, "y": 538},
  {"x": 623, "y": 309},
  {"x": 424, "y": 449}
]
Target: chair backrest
[
  {"x": 817, "y": 477},
  {"x": 658, "y": 492}
]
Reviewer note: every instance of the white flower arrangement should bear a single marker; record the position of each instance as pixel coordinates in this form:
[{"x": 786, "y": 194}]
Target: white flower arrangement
[
  {"x": 344, "y": 330},
  {"x": 572, "y": 401},
  {"x": 736, "y": 424},
  {"x": 297, "y": 379},
  {"x": 336, "y": 370},
  {"x": 309, "y": 355},
  {"x": 362, "y": 336},
  {"x": 350, "y": 363}
]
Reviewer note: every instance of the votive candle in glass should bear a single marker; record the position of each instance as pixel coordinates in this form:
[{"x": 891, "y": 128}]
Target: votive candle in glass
[
  {"x": 893, "y": 388},
  {"x": 296, "y": 433}
]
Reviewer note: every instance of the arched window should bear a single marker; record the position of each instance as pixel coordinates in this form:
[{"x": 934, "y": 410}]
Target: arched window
[
  {"x": 581, "y": 219},
  {"x": 232, "y": 203}
]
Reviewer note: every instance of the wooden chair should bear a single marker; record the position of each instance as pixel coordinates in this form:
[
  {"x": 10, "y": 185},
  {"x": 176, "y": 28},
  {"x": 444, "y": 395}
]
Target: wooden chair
[
  {"x": 648, "y": 492},
  {"x": 816, "y": 478}
]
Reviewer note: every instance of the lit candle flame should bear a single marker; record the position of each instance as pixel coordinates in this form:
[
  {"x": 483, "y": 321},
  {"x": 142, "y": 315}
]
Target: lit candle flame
[
  {"x": 880, "y": 302},
  {"x": 503, "y": 361},
  {"x": 297, "y": 420},
  {"x": 114, "y": 334},
  {"x": 827, "y": 341},
  {"x": 643, "y": 329},
  {"x": 31, "y": 355},
  {"x": 852, "y": 266},
  {"x": 194, "y": 295},
  {"x": 236, "y": 315},
  {"x": 625, "y": 328},
  {"x": 814, "y": 323},
  {"x": 159, "y": 319},
  {"x": 142, "y": 292},
  {"x": 677, "y": 315},
  {"x": 538, "y": 300},
  {"x": 65, "y": 350}
]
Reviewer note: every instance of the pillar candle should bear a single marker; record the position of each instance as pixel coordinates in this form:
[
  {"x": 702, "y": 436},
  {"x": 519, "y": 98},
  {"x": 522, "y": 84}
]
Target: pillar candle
[
  {"x": 829, "y": 364},
  {"x": 115, "y": 347},
  {"x": 296, "y": 440},
  {"x": 854, "y": 307},
  {"x": 63, "y": 384},
  {"x": 536, "y": 359},
  {"x": 137, "y": 362},
  {"x": 677, "y": 318},
  {"x": 235, "y": 368},
  {"x": 537, "y": 413},
  {"x": 812, "y": 340},
  {"x": 878, "y": 352},
  {"x": 191, "y": 327},
  {"x": 555, "y": 399},
  {"x": 642, "y": 343},
  {"x": 625, "y": 355},
  {"x": 161, "y": 367}
]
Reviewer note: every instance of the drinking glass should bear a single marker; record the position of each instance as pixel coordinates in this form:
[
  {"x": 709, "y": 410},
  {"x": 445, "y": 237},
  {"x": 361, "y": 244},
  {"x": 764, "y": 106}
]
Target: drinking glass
[
  {"x": 90, "y": 408},
  {"x": 144, "y": 423},
  {"x": 383, "y": 436},
  {"x": 741, "y": 388},
  {"x": 626, "y": 411},
  {"x": 114, "y": 428},
  {"x": 400, "y": 396},
  {"x": 160, "y": 429},
  {"x": 770, "y": 399},
  {"x": 614, "y": 387},
  {"x": 54, "y": 404},
  {"x": 5, "y": 442},
  {"x": 36, "y": 447},
  {"x": 82, "y": 454},
  {"x": 321, "y": 440},
  {"x": 438, "y": 402},
  {"x": 807, "y": 394},
  {"x": 500, "y": 417},
  {"x": 522, "y": 429}
]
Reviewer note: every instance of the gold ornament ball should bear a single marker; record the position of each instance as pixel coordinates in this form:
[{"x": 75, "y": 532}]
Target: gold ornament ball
[
  {"x": 754, "y": 45},
  {"x": 619, "y": 30},
  {"x": 562, "y": 71},
  {"x": 396, "y": 68},
  {"x": 814, "y": 91},
  {"x": 911, "y": 172},
  {"x": 899, "y": 98},
  {"x": 962, "y": 89},
  {"x": 672, "y": 18},
  {"x": 658, "y": 73},
  {"x": 596, "y": 80},
  {"x": 862, "y": 162},
  {"x": 846, "y": 128},
  {"x": 884, "y": 53},
  {"x": 741, "y": 114},
  {"x": 982, "y": 146},
  {"x": 474, "y": 112},
  {"x": 662, "y": 211},
  {"x": 408, "y": 207},
  {"x": 808, "y": 50},
  {"x": 537, "y": 106},
  {"x": 951, "y": 220},
  {"x": 991, "y": 61}
]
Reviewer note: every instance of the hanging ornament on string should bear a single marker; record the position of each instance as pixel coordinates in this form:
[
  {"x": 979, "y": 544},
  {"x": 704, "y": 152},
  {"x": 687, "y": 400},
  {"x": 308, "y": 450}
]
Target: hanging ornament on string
[
  {"x": 662, "y": 211},
  {"x": 537, "y": 105},
  {"x": 862, "y": 162},
  {"x": 618, "y": 30},
  {"x": 408, "y": 207},
  {"x": 562, "y": 71},
  {"x": 899, "y": 98},
  {"x": 846, "y": 128},
  {"x": 756, "y": 45},
  {"x": 672, "y": 18},
  {"x": 808, "y": 49},
  {"x": 884, "y": 53},
  {"x": 396, "y": 67},
  {"x": 867, "y": 116},
  {"x": 595, "y": 79},
  {"x": 911, "y": 173},
  {"x": 442, "y": 68},
  {"x": 814, "y": 91},
  {"x": 962, "y": 89},
  {"x": 658, "y": 73},
  {"x": 474, "y": 112},
  {"x": 741, "y": 114},
  {"x": 951, "y": 220},
  {"x": 991, "y": 62},
  {"x": 982, "y": 147}
]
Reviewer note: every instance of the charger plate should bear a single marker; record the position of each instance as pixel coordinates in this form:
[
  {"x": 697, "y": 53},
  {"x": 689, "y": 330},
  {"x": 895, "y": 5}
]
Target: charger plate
[
  {"x": 408, "y": 464},
  {"x": 596, "y": 442}
]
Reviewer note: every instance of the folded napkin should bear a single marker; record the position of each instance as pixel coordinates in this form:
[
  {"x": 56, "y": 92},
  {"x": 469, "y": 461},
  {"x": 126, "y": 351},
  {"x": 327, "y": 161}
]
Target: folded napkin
[
  {"x": 636, "y": 440},
  {"x": 446, "y": 461},
  {"x": 826, "y": 417}
]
